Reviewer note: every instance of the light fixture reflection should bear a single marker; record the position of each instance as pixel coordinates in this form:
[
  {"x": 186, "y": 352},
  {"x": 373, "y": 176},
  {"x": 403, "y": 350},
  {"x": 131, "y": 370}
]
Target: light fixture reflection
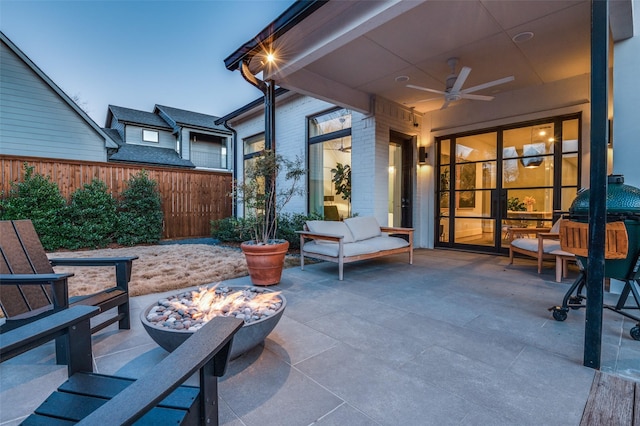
[{"x": 530, "y": 153}]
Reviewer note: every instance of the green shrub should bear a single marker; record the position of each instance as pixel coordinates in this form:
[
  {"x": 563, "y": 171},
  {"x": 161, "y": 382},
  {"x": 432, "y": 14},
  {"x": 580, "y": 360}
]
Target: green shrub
[
  {"x": 91, "y": 217},
  {"x": 39, "y": 199},
  {"x": 232, "y": 229},
  {"x": 139, "y": 212},
  {"x": 238, "y": 230},
  {"x": 289, "y": 223}
]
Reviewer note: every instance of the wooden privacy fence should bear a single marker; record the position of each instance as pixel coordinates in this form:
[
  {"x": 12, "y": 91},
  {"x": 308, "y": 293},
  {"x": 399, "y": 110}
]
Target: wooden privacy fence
[{"x": 191, "y": 199}]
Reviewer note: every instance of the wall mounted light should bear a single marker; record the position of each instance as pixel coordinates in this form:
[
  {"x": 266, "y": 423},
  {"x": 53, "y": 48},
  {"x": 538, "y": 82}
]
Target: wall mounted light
[{"x": 422, "y": 155}]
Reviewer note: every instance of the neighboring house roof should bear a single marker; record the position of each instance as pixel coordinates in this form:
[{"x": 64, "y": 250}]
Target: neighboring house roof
[
  {"x": 115, "y": 135},
  {"x": 134, "y": 116},
  {"x": 184, "y": 118},
  {"x": 162, "y": 118},
  {"x": 258, "y": 103},
  {"x": 108, "y": 142},
  {"x": 156, "y": 156}
]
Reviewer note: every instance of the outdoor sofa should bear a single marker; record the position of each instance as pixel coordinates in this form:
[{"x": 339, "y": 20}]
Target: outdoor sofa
[{"x": 356, "y": 238}]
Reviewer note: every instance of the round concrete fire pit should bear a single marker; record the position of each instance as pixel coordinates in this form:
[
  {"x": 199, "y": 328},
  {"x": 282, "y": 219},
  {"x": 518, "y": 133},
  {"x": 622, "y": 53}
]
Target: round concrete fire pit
[{"x": 171, "y": 320}]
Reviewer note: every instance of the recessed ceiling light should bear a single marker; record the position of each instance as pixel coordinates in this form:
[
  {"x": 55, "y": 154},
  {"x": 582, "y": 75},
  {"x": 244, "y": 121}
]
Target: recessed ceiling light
[
  {"x": 402, "y": 78},
  {"x": 522, "y": 37}
]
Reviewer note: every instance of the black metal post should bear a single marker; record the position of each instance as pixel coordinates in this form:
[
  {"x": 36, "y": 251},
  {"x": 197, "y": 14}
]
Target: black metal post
[
  {"x": 270, "y": 115},
  {"x": 597, "y": 180},
  {"x": 270, "y": 144},
  {"x": 268, "y": 88}
]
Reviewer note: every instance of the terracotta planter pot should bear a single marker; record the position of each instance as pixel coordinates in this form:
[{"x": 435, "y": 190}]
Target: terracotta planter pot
[{"x": 265, "y": 262}]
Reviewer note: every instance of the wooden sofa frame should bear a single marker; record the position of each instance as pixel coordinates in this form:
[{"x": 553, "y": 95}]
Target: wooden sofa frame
[
  {"x": 540, "y": 234},
  {"x": 155, "y": 398},
  {"x": 341, "y": 259}
]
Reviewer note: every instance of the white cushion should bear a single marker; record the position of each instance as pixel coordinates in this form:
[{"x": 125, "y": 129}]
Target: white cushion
[
  {"x": 531, "y": 244},
  {"x": 351, "y": 249},
  {"x": 385, "y": 242},
  {"x": 363, "y": 227},
  {"x": 331, "y": 227}
]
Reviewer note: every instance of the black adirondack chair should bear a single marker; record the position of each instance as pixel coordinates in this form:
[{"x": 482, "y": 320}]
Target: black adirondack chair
[
  {"x": 29, "y": 288},
  {"x": 156, "y": 398}
]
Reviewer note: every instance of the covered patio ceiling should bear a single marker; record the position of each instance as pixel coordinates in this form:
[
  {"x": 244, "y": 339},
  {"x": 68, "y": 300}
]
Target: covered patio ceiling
[{"x": 346, "y": 52}]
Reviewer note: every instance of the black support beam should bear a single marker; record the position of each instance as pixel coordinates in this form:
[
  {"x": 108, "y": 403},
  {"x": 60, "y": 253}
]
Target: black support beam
[{"x": 597, "y": 181}]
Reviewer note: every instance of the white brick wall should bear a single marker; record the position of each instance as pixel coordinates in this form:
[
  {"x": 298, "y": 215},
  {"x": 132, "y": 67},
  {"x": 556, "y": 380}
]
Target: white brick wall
[
  {"x": 370, "y": 156},
  {"x": 391, "y": 116},
  {"x": 291, "y": 139}
]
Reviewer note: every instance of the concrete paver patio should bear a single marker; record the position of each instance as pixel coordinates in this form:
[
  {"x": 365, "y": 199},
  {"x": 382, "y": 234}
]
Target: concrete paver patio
[{"x": 455, "y": 339}]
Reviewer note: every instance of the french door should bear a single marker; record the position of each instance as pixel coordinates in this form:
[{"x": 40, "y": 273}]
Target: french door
[
  {"x": 523, "y": 175},
  {"x": 400, "y": 180}
]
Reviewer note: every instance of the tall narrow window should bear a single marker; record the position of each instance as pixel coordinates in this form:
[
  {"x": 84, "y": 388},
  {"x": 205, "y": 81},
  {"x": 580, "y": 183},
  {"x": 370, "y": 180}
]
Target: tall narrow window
[
  {"x": 330, "y": 164},
  {"x": 253, "y": 147}
]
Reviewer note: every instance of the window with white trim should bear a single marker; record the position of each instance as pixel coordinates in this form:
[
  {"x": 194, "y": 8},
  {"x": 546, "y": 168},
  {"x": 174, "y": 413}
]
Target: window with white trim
[{"x": 150, "y": 136}]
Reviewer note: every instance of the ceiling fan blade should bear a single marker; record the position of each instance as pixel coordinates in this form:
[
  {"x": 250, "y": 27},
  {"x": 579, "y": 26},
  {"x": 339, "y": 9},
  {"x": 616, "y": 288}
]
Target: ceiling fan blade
[
  {"x": 425, "y": 89},
  {"x": 476, "y": 97},
  {"x": 428, "y": 99},
  {"x": 489, "y": 84},
  {"x": 462, "y": 77},
  {"x": 445, "y": 105}
]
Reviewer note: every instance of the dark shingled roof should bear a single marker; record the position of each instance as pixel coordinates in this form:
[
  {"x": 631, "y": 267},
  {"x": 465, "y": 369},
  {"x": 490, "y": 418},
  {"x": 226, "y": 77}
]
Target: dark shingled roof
[
  {"x": 115, "y": 135},
  {"x": 248, "y": 107},
  {"x": 150, "y": 155},
  {"x": 133, "y": 116},
  {"x": 191, "y": 119}
]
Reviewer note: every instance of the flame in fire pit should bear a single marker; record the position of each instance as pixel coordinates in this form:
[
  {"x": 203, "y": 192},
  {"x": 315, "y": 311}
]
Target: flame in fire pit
[{"x": 190, "y": 310}]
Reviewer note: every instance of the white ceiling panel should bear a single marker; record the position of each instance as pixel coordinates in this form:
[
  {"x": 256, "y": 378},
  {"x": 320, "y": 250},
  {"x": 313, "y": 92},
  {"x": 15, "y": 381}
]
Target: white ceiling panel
[
  {"x": 560, "y": 47},
  {"x": 434, "y": 27},
  {"x": 363, "y": 55},
  {"x": 417, "y": 43},
  {"x": 513, "y": 13}
]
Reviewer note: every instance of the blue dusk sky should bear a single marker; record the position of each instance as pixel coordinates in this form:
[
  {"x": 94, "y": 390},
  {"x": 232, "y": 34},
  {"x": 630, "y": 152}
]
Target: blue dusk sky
[{"x": 136, "y": 54}]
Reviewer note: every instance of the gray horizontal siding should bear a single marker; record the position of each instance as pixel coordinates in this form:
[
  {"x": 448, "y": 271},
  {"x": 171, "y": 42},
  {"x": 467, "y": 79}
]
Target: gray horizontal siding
[
  {"x": 133, "y": 135},
  {"x": 36, "y": 121},
  {"x": 207, "y": 154}
]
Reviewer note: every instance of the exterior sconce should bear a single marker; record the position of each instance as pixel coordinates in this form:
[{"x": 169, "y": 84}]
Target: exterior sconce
[{"x": 422, "y": 155}]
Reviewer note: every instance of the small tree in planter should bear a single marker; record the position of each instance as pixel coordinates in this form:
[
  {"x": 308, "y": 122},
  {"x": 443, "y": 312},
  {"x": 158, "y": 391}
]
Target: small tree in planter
[{"x": 264, "y": 201}]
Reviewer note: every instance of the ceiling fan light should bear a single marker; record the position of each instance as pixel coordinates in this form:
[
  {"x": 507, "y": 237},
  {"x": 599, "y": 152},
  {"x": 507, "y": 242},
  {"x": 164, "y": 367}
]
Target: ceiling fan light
[{"x": 522, "y": 37}]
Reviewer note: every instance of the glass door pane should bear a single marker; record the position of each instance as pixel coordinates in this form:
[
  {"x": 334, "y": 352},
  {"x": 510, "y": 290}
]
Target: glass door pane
[
  {"x": 444, "y": 190},
  {"x": 473, "y": 189},
  {"x": 395, "y": 185},
  {"x": 528, "y": 177},
  {"x": 522, "y": 175}
]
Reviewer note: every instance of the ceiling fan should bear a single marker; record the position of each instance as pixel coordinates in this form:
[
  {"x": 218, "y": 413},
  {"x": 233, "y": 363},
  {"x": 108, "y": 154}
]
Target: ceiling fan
[
  {"x": 454, "y": 90},
  {"x": 342, "y": 147}
]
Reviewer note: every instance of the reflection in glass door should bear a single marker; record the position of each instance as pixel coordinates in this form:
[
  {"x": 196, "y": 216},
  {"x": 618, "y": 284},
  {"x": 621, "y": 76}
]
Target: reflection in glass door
[{"x": 518, "y": 176}]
